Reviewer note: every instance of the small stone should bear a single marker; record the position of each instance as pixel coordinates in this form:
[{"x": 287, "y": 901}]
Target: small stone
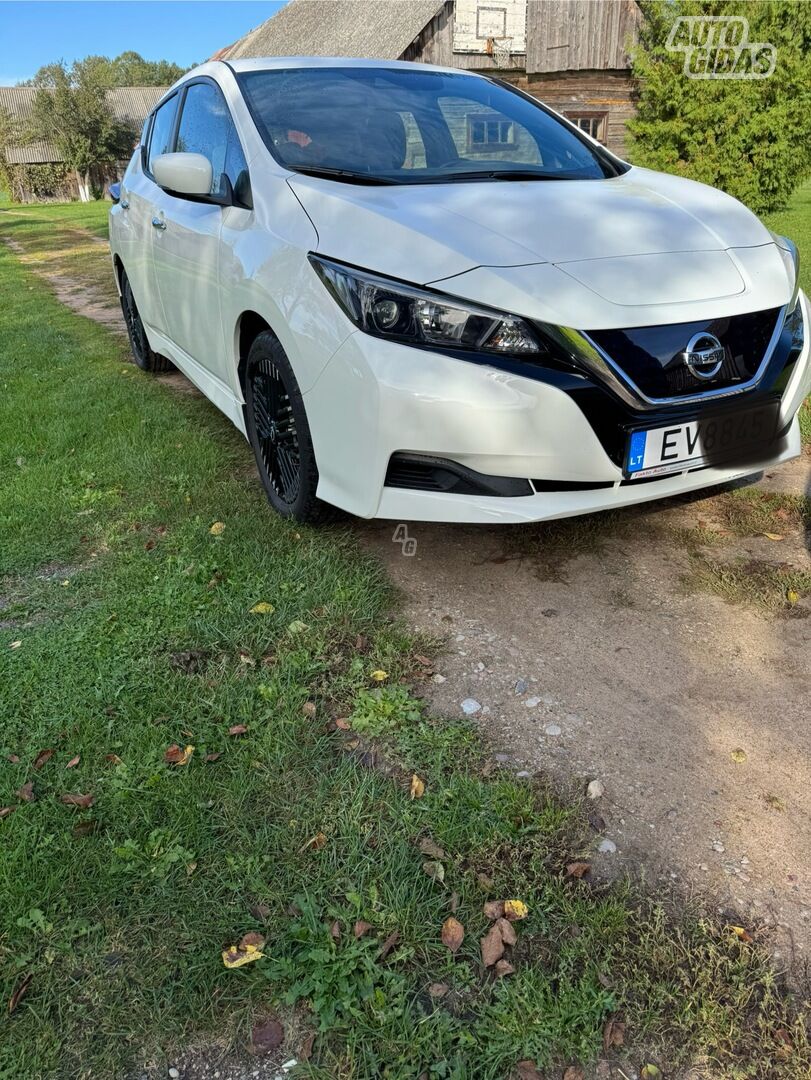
[
  {"x": 718, "y": 846},
  {"x": 596, "y": 789},
  {"x": 502, "y": 758},
  {"x": 174, "y": 1073},
  {"x": 532, "y": 702},
  {"x": 438, "y": 678},
  {"x": 480, "y": 666},
  {"x": 553, "y": 729},
  {"x": 744, "y": 861},
  {"x": 607, "y": 847},
  {"x": 521, "y": 686},
  {"x": 470, "y": 706},
  {"x": 523, "y": 775}
]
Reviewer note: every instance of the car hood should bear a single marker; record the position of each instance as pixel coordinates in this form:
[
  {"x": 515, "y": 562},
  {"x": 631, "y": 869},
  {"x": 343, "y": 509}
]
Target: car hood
[{"x": 634, "y": 250}]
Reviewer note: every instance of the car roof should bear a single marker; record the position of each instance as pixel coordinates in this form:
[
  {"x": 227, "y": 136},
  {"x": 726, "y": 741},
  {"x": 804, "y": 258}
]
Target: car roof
[{"x": 268, "y": 63}]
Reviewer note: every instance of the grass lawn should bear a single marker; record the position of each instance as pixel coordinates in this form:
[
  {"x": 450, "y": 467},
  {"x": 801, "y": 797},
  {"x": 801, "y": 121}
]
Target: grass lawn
[{"x": 135, "y": 546}]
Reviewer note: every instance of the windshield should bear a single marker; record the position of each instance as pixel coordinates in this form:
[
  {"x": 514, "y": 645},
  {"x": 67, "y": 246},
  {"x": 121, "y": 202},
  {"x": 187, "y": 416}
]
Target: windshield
[{"x": 393, "y": 125}]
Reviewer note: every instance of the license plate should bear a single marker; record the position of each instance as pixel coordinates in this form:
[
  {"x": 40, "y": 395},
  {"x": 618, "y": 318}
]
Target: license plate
[{"x": 693, "y": 443}]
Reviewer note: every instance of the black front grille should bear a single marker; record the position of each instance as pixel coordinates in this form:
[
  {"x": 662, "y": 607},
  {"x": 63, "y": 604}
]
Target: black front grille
[
  {"x": 652, "y": 356},
  {"x": 419, "y": 472}
]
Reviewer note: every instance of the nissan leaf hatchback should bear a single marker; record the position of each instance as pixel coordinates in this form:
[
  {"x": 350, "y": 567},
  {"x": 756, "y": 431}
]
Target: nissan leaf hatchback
[{"x": 423, "y": 295}]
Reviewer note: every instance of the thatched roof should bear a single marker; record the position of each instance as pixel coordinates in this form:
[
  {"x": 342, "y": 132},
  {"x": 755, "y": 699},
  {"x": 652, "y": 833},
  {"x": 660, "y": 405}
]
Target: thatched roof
[
  {"x": 374, "y": 29},
  {"x": 129, "y": 103}
]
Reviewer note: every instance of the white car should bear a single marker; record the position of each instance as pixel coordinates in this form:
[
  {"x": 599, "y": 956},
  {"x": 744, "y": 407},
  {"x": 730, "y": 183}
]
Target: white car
[{"x": 423, "y": 295}]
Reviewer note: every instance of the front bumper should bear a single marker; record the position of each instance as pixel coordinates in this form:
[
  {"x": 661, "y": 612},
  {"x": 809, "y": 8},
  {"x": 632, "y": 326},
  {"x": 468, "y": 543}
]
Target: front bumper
[{"x": 376, "y": 398}]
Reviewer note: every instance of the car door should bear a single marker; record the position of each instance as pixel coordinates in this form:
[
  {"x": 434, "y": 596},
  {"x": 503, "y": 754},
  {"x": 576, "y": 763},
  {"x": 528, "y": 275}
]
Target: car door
[
  {"x": 187, "y": 233},
  {"x": 137, "y": 208}
]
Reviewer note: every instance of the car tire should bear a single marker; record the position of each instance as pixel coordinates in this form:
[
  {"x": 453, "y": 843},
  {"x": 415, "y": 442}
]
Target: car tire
[
  {"x": 278, "y": 431},
  {"x": 144, "y": 357}
]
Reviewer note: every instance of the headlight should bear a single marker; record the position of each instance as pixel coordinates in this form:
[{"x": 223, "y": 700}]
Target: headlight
[
  {"x": 791, "y": 257},
  {"x": 390, "y": 309}
]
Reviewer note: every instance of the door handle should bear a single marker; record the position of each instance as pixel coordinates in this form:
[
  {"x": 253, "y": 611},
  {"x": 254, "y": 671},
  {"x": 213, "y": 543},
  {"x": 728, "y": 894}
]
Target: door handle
[{"x": 158, "y": 223}]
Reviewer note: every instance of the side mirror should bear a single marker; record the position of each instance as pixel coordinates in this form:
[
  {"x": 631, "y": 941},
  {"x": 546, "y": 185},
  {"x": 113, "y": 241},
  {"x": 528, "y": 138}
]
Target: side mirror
[
  {"x": 115, "y": 192},
  {"x": 184, "y": 174}
]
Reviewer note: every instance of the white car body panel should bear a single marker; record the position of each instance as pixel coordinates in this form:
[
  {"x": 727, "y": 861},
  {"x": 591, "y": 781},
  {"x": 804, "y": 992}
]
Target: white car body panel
[{"x": 638, "y": 250}]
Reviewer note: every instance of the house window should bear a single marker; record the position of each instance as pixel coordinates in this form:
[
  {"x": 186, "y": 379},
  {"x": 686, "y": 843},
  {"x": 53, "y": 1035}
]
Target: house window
[
  {"x": 491, "y": 22},
  {"x": 489, "y": 131},
  {"x": 593, "y": 123}
]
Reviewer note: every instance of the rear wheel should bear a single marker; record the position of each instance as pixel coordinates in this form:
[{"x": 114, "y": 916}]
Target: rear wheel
[
  {"x": 279, "y": 433},
  {"x": 144, "y": 357}
]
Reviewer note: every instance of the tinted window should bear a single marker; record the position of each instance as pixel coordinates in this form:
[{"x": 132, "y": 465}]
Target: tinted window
[
  {"x": 407, "y": 126},
  {"x": 162, "y": 127},
  {"x": 206, "y": 128}
]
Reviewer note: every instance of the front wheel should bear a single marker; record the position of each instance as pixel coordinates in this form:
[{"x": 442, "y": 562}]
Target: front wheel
[{"x": 279, "y": 433}]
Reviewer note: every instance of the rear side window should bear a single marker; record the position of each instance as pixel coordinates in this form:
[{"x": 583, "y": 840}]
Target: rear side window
[
  {"x": 160, "y": 140},
  {"x": 206, "y": 128}
]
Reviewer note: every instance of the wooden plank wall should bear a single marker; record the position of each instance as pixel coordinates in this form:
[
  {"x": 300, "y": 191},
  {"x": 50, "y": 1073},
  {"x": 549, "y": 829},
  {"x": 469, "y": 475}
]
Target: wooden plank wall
[
  {"x": 610, "y": 92},
  {"x": 580, "y": 35}
]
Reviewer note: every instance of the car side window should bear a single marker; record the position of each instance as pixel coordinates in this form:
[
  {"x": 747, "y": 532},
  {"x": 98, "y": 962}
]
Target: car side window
[
  {"x": 163, "y": 124},
  {"x": 206, "y": 128}
]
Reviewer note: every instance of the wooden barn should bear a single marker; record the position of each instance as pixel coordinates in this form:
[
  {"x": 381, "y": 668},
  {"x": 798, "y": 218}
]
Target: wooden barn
[
  {"x": 35, "y": 170},
  {"x": 572, "y": 54}
]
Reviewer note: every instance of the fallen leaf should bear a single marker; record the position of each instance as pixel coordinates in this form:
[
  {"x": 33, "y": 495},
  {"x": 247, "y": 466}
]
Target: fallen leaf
[
  {"x": 453, "y": 903},
  {"x": 315, "y": 842},
  {"x": 438, "y": 989},
  {"x": 577, "y": 869},
  {"x": 262, "y": 608},
  {"x": 15, "y": 644},
  {"x": 343, "y": 724},
  {"x": 19, "y": 991},
  {"x": 515, "y": 909},
  {"x": 218, "y": 528},
  {"x": 237, "y": 729},
  {"x": 428, "y": 847},
  {"x": 261, "y": 912},
  {"x": 389, "y": 944},
  {"x": 297, "y": 627},
  {"x": 85, "y": 828},
  {"x": 738, "y": 756},
  {"x": 74, "y": 761},
  {"x": 791, "y": 595},
  {"x": 574, "y": 1072},
  {"x": 453, "y": 934},
  {"x": 380, "y": 676},
  {"x": 252, "y": 939},
  {"x": 83, "y": 801},
  {"x": 175, "y": 756},
  {"x": 235, "y": 957},
  {"x": 6, "y": 810},
  {"x": 335, "y": 931},
  {"x": 502, "y": 968},
  {"x": 26, "y": 792},
  {"x": 417, "y": 789},
  {"x": 113, "y": 759},
  {"x": 308, "y": 708},
  {"x": 650, "y": 1072},
  {"x": 613, "y": 1034},
  {"x": 42, "y": 757},
  {"x": 190, "y": 868},
  {"x": 246, "y": 658},
  {"x": 507, "y": 931},
  {"x": 306, "y": 1049},
  {"x": 527, "y": 1070},
  {"x": 267, "y": 1035},
  {"x": 13, "y": 759},
  {"x": 741, "y": 933},
  {"x": 214, "y": 756},
  {"x": 361, "y": 928},
  {"x": 774, "y": 802},
  {"x": 492, "y": 946},
  {"x": 494, "y": 909},
  {"x": 773, "y": 536},
  {"x": 434, "y": 870}
]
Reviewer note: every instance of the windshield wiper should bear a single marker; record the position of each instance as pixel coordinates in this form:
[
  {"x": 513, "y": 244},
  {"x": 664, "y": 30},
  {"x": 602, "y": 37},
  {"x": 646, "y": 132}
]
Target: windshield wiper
[
  {"x": 341, "y": 174},
  {"x": 504, "y": 174}
]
